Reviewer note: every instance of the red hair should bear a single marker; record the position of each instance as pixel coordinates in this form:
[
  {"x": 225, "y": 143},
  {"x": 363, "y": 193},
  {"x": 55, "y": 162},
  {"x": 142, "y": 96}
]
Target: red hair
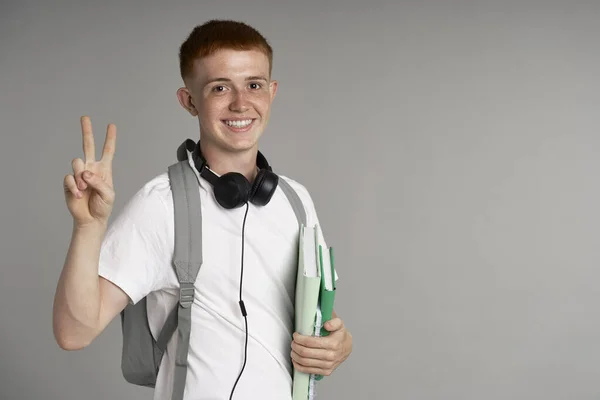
[{"x": 215, "y": 35}]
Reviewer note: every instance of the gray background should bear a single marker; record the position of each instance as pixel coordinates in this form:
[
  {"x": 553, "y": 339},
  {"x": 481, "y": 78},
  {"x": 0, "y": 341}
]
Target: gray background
[{"x": 455, "y": 151}]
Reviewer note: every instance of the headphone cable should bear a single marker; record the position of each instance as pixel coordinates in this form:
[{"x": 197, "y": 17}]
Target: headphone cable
[{"x": 242, "y": 306}]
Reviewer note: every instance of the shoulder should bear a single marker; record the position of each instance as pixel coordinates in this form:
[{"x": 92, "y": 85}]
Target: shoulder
[
  {"x": 153, "y": 199},
  {"x": 158, "y": 188},
  {"x": 304, "y": 195},
  {"x": 299, "y": 188}
]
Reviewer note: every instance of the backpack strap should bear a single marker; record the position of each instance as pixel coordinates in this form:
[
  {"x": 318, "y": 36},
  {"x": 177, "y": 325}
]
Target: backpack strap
[
  {"x": 187, "y": 261},
  {"x": 294, "y": 200}
]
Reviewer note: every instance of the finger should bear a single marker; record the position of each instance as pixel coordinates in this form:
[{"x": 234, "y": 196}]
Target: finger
[
  {"x": 97, "y": 183},
  {"x": 108, "y": 151},
  {"x": 312, "y": 370},
  {"x": 311, "y": 362},
  {"x": 312, "y": 353},
  {"x": 315, "y": 342},
  {"x": 71, "y": 187},
  {"x": 89, "y": 150},
  {"x": 334, "y": 324},
  {"x": 78, "y": 168}
]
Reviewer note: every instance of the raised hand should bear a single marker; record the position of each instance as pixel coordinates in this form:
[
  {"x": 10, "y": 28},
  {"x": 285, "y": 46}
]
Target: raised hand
[{"x": 89, "y": 190}]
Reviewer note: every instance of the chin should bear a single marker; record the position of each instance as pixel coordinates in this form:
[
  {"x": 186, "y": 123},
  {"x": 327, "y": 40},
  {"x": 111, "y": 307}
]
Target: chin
[{"x": 240, "y": 141}]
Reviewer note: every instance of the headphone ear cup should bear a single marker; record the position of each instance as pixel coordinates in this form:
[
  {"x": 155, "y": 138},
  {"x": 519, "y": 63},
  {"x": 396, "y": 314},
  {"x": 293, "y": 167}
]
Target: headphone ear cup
[
  {"x": 264, "y": 187},
  {"x": 232, "y": 190}
]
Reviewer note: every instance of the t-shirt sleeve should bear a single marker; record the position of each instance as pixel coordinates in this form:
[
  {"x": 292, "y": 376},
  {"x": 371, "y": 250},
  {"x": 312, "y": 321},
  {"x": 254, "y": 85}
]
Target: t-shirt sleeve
[{"x": 137, "y": 248}]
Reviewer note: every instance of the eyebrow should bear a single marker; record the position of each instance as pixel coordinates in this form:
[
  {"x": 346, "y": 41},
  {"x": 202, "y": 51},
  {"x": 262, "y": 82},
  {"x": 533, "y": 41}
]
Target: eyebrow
[
  {"x": 256, "y": 78},
  {"x": 250, "y": 78}
]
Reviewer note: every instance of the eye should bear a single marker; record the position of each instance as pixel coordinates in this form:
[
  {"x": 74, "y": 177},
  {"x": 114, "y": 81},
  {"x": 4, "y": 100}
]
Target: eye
[
  {"x": 218, "y": 88},
  {"x": 255, "y": 85}
]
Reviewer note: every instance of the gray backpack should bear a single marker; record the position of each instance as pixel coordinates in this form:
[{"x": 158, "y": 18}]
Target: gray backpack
[{"x": 141, "y": 353}]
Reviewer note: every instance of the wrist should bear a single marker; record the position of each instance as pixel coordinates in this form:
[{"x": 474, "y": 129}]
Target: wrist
[{"x": 96, "y": 227}]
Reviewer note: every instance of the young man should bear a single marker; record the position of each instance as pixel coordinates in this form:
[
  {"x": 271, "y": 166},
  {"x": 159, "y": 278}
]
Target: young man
[{"x": 226, "y": 69}]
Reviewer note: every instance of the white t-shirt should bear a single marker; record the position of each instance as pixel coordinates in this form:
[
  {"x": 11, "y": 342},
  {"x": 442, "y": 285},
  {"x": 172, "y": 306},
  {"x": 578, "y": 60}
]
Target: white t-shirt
[{"x": 136, "y": 255}]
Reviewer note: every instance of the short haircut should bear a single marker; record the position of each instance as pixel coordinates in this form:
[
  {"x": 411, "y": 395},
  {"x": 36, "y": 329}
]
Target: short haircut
[{"x": 215, "y": 35}]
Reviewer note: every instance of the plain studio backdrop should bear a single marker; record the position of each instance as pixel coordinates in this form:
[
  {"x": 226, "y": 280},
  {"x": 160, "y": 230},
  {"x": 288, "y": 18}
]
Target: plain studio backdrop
[{"x": 451, "y": 149}]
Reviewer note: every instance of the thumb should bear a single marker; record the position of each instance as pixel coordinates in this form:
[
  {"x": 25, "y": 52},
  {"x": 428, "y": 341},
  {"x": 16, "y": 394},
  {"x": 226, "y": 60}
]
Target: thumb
[
  {"x": 99, "y": 185},
  {"x": 334, "y": 324}
]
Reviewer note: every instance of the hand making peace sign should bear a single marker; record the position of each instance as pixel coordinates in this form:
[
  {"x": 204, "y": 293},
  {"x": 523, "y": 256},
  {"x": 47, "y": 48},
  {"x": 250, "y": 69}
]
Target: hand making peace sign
[{"x": 89, "y": 190}]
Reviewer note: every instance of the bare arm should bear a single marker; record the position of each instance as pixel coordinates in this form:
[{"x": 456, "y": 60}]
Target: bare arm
[{"x": 84, "y": 303}]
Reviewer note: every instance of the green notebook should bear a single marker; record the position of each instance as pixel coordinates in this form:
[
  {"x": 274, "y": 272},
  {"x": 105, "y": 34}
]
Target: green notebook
[{"x": 326, "y": 293}]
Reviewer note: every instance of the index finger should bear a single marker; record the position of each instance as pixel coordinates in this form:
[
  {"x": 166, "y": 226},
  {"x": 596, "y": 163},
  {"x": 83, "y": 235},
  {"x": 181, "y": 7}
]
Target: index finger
[
  {"x": 89, "y": 150},
  {"x": 110, "y": 142}
]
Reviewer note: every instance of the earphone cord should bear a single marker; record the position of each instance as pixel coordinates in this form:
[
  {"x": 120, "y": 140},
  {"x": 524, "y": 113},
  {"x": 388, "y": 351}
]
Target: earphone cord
[{"x": 242, "y": 306}]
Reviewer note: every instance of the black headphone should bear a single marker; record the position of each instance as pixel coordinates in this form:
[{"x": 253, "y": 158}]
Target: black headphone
[{"x": 233, "y": 190}]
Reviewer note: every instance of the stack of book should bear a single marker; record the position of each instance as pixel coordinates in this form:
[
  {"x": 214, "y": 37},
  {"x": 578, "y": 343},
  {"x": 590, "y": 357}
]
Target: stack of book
[{"x": 315, "y": 295}]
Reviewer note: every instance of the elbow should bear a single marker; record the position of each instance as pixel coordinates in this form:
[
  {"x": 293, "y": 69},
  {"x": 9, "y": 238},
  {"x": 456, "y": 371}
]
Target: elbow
[
  {"x": 70, "y": 340},
  {"x": 70, "y": 344}
]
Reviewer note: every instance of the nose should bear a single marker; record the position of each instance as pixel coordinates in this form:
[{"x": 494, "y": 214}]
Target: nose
[{"x": 238, "y": 102}]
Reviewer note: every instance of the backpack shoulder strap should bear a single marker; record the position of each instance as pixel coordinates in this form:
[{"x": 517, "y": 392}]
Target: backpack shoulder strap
[
  {"x": 188, "y": 227},
  {"x": 187, "y": 260},
  {"x": 294, "y": 200}
]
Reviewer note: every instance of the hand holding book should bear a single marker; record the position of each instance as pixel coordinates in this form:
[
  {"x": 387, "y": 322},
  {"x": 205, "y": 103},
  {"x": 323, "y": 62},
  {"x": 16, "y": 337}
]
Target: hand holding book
[
  {"x": 321, "y": 355},
  {"x": 321, "y": 342}
]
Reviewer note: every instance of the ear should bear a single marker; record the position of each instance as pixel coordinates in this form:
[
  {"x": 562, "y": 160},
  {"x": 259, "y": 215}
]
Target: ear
[
  {"x": 273, "y": 88},
  {"x": 186, "y": 101}
]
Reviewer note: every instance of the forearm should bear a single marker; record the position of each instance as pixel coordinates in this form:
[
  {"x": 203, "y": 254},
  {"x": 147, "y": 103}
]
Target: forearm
[{"x": 77, "y": 300}]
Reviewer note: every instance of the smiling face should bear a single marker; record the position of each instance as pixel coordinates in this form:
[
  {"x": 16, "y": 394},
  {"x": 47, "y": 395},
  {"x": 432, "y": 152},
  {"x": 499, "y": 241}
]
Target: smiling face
[{"x": 231, "y": 94}]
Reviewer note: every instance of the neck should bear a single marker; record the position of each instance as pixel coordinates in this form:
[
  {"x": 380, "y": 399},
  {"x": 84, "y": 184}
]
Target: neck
[{"x": 222, "y": 162}]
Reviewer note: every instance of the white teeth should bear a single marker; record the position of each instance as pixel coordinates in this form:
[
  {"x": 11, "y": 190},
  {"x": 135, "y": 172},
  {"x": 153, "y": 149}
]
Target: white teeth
[{"x": 239, "y": 124}]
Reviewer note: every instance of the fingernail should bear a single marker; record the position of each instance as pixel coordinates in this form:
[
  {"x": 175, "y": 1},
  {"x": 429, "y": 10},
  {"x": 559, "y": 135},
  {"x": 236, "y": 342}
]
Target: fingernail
[{"x": 86, "y": 174}]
